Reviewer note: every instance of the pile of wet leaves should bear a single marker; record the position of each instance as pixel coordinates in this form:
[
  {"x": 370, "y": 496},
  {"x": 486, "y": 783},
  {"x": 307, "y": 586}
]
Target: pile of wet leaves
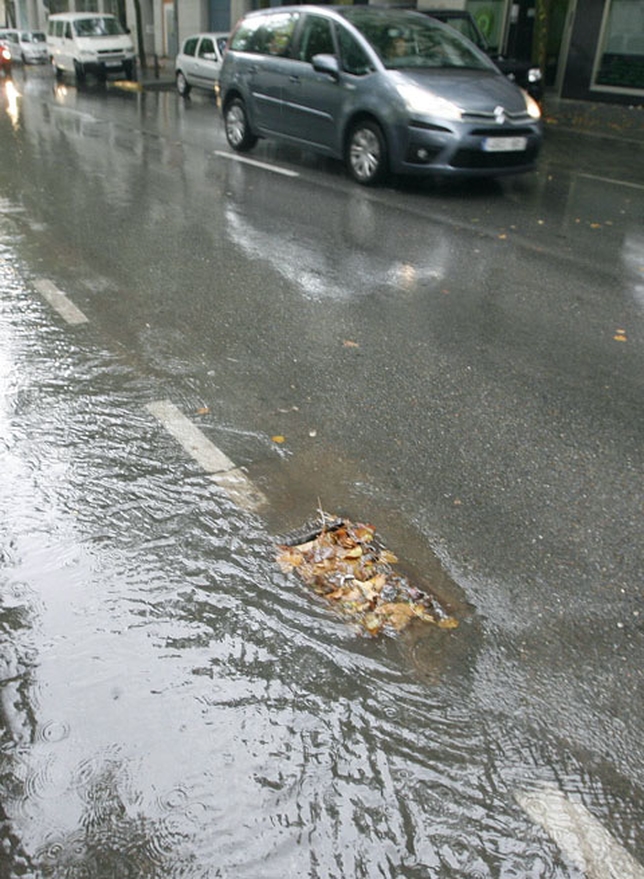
[{"x": 347, "y": 564}]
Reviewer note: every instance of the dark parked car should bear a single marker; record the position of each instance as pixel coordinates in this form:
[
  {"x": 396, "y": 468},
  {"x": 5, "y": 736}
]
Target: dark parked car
[
  {"x": 524, "y": 73},
  {"x": 384, "y": 89},
  {"x": 5, "y": 58}
]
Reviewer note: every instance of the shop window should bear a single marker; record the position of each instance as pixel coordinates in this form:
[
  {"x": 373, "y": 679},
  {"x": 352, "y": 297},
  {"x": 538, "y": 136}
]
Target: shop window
[{"x": 620, "y": 58}]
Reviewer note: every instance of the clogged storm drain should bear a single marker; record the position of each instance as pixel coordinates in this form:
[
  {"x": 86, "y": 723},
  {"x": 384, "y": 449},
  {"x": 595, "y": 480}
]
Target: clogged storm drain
[{"x": 346, "y": 564}]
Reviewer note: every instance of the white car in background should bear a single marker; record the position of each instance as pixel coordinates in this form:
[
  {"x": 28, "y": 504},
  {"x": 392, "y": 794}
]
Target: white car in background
[
  {"x": 30, "y": 47},
  {"x": 33, "y": 47},
  {"x": 198, "y": 63}
]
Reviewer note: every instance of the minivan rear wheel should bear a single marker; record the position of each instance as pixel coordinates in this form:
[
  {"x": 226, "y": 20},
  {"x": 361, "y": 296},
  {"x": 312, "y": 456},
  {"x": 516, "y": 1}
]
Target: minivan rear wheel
[
  {"x": 366, "y": 152},
  {"x": 238, "y": 132}
]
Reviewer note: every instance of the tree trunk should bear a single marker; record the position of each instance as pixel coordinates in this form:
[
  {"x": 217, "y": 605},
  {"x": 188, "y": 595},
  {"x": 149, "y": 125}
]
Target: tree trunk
[{"x": 540, "y": 38}]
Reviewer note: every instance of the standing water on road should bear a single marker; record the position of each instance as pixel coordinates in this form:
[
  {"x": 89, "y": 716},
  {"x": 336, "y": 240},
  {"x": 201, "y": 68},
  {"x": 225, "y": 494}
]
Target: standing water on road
[{"x": 174, "y": 705}]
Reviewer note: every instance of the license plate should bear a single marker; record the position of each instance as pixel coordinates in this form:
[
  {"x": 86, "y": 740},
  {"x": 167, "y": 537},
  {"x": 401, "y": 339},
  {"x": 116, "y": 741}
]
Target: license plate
[
  {"x": 113, "y": 63},
  {"x": 505, "y": 144}
]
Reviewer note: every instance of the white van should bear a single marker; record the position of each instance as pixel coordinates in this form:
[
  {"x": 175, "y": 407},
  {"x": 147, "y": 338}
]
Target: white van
[{"x": 90, "y": 42}]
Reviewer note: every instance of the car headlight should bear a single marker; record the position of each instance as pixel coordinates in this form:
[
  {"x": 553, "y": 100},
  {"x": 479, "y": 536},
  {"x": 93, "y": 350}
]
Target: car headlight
[
  {"x": 534, "y": 110},
  {"x": 534, "y": 74},
  {"x": 427, "y": 103}
]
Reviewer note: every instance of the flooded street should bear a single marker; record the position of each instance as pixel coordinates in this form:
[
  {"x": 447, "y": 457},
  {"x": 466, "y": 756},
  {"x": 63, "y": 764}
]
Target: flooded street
[{"x": 171, "y": 703}]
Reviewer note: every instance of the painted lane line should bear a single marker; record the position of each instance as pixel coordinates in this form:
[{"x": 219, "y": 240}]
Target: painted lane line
[
  {"x": 221, "y": 469},
  {"x": 205, "y": 453},
  {"x": 240, "y": 489},
  {"x": 58, "y": 301},
  {"x": 611, "y": 180},
  {"x": 579, "y": 835},
  {"x": 265, "y": 165}
]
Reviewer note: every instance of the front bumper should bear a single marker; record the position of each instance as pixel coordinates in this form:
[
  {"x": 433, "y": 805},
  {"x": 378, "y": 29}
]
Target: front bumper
[
  {"x": 36, "y": 58},
  {"x": 460, "y": 150},
  {"x": 107, "y": 67}
]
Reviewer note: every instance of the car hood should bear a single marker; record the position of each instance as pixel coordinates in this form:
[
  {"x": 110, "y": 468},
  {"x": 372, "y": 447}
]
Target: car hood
[{"x": 476, "y": 91}]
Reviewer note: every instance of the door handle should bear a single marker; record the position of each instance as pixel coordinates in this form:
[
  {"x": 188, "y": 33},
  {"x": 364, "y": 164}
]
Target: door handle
[{"x": 293, "y": 78}]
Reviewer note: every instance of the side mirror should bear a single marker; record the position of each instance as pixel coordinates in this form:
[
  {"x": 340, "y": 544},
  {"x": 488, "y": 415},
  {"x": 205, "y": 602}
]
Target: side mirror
[{"x": 326, "y": 64}]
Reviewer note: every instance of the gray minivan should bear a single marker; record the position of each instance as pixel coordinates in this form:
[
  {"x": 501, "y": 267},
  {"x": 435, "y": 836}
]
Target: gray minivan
[{"x": 383, "y": 89}]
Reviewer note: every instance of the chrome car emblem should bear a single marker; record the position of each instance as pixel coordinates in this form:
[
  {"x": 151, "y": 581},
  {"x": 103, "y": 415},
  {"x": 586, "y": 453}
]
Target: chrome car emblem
[{"x": 499, "y": 115}]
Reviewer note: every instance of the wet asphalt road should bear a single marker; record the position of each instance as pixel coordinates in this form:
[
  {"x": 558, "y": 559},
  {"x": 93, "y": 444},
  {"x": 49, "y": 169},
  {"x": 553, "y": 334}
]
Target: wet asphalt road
[{"x": 461, "y": 365}]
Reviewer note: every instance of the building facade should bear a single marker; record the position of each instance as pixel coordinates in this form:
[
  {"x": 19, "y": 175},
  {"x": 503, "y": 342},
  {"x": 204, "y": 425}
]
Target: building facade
[{"x": 594, "y": 48}]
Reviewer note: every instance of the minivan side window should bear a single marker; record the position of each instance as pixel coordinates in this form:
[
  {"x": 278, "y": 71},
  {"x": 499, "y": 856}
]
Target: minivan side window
[
  {"x": 60, "y": 28},
  {"x": 316, "y": 38},
  {"x": 266, "y": 34},
  {"x": 68, "y": 31},
  {"x": 354, "y": 58}
]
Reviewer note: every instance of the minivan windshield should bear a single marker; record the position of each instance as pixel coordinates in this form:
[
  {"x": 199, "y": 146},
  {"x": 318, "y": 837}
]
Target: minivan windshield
[
  {"x": 97, "y": 26},
  {"x": 404, "y": 39}
]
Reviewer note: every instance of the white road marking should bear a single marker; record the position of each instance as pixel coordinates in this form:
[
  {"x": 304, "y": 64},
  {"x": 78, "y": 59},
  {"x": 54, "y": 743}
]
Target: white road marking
[
  {"x": 235, "y": 158},
  {"x": 221, "y": 469},
  {"x": 57, "y": 299},
  {"x": 611, "y": 180},
  {"x": 579, "y": 835}
]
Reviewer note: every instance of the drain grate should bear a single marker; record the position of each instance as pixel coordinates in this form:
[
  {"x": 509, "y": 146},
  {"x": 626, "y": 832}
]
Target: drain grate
[{"x": 347, "y": 564}]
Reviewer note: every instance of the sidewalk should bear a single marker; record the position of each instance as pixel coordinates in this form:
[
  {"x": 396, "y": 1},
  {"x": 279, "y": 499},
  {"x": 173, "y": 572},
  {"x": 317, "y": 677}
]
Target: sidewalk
[
  {"x": 621, "y": 121},
  {"x": 157, "y": 76}
]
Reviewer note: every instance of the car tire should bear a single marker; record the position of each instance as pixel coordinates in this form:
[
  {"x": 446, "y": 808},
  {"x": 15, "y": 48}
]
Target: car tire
[
  {"x": 129, "y": 71},
  {"x": 79, "y": 71},
  {"x": 366, "y": 153},
  {"x": 238, "y": 133},
  {"x": 183, "y": 86}
]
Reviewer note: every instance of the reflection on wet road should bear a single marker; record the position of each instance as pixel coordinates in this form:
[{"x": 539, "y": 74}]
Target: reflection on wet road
[{"x": 171, "y": 703}]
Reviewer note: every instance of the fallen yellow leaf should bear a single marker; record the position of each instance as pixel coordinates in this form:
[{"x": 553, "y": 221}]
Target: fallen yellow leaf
[
  {"x": 290, "y": 558},
  {"x": 279, "y": 438}
]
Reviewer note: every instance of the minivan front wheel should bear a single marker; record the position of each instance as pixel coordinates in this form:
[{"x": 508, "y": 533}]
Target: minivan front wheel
[
  {"x": 366, "y": 152},
  {"x": 238, "y": 133}
]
